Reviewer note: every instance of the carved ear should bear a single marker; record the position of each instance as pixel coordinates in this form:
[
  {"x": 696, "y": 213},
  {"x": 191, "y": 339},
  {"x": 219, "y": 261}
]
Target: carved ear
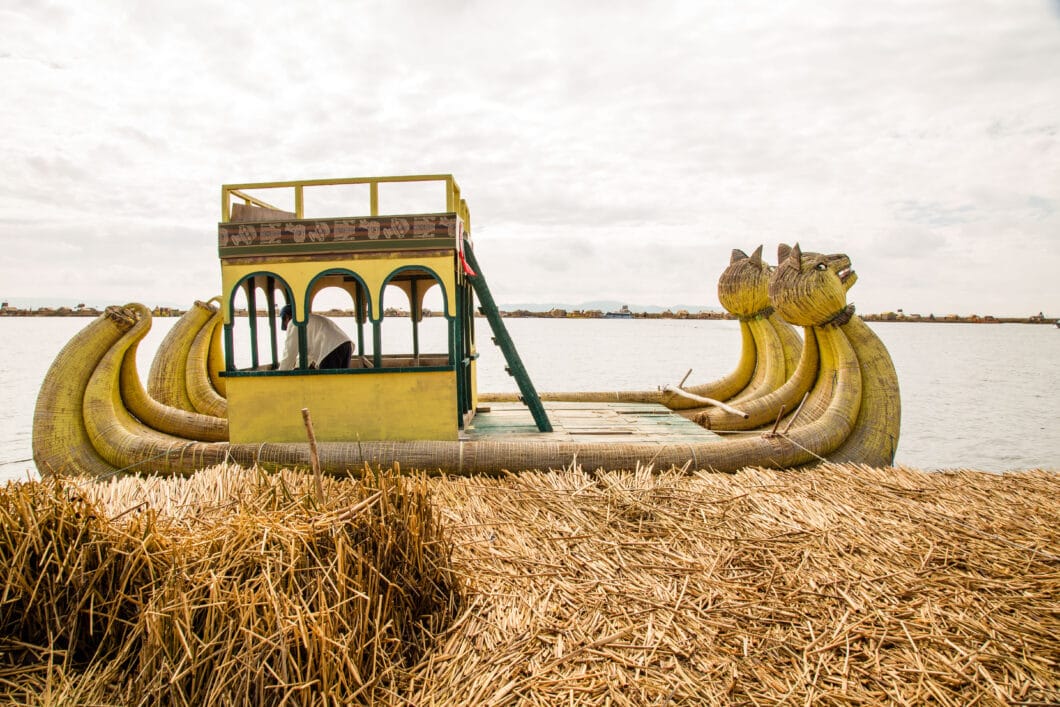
[
  {"x": 783, "y": 251},
  {"x": 796, "y": 255},
  {"x": 756, "y": 257},
  {"x": 737, "y": 254}
]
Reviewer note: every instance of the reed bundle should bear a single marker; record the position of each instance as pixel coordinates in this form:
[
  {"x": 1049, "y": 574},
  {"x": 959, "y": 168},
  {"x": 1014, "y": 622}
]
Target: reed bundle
[
  {"x": 837, "y": 585},
  {"x": 201, "y": 591}
]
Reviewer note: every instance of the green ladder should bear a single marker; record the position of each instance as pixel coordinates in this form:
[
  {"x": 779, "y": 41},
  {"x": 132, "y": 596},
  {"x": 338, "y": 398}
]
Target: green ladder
[{"x": 515, "y": 366}]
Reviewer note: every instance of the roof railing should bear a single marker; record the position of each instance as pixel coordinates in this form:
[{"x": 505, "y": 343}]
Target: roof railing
[{"x": 453, "y": 202}]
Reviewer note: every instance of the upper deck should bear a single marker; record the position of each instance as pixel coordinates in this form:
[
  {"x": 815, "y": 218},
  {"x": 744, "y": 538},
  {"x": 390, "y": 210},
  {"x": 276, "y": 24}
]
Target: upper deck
[{"x": 253, "y": 228}]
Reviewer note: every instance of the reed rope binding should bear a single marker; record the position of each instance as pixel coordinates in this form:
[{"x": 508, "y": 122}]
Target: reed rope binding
[{"x": 760, "y": 314}]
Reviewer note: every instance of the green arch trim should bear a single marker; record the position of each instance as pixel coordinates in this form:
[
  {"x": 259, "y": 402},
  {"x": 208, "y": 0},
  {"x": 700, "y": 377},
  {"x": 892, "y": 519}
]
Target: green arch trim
[
  {"x": 337, "y": 271},
  {"x": 229, "y": 337},
  {"x": 422, "y": 268}
]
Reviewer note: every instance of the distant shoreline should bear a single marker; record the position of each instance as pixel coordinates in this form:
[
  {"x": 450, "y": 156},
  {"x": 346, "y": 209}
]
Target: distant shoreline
[{"x": 1040, "y": 318}]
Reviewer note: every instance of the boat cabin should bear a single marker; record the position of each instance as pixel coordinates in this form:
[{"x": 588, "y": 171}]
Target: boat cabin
[{"x": 385, "y": 276}]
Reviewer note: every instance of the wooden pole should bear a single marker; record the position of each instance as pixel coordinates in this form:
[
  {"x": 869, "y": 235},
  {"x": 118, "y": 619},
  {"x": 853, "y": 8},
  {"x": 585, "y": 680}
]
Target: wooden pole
[
  {"x": 706, "y": 401},
  {"x": 314, "y": 458},
  {"x": 780, "y": 414},
  {"x": 796, "y": 415}
]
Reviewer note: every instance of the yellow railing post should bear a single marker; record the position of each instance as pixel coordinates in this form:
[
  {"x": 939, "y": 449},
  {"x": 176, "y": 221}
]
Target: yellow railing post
[
  {"x": 226, "y": 212},
  {"x": 299, "y": 205},
  {"x": 373, "y": 198},
  {"x": 466, "y": 215}
]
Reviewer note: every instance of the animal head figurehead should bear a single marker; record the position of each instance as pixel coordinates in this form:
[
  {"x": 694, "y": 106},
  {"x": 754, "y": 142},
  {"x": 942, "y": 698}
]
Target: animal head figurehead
[
  {"x": 743, "y": 288},
  {"x": 810, "y": 289}
]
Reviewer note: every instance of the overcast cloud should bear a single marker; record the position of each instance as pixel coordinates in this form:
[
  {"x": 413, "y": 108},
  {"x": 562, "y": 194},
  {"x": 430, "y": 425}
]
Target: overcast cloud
[{"x": 608, "y": 150}]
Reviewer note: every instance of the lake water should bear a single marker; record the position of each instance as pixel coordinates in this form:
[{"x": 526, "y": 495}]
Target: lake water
[{"x": 979, "y": 396}]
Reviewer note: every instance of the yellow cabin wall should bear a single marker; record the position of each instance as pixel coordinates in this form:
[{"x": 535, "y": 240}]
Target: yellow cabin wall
[
  {"x": 344, "y": 407},
  {"x": 374, "y": 271}
]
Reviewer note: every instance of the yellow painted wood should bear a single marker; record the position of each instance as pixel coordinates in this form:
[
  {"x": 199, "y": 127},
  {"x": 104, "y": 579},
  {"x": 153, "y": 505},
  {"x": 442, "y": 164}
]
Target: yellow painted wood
[
  {"x": 465, "y": 214},
  {"x": 345, "y": 407},
  {"x": 249, "y": 200},
  {"x": 413, "y": 405},
  {"x": 474, "y": 384},
  {"x": 374, "y": 271}
]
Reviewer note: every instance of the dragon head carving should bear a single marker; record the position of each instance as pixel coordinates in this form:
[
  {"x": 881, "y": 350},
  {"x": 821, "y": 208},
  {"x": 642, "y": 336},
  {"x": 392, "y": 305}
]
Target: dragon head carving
[
  {"x": 743, "y": 288},
  {"x": 810, "y": 289}
]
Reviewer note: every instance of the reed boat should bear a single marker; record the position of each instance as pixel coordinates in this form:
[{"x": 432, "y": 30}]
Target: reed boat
[{"x": 218, "y": 389}]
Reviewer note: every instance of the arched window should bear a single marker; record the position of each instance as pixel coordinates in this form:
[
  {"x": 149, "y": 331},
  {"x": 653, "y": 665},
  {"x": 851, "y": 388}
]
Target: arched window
[
  {"x": 252, "y": 337},
  {"x": 415, "y": 329},
  {"x": 341, "y": 295}
]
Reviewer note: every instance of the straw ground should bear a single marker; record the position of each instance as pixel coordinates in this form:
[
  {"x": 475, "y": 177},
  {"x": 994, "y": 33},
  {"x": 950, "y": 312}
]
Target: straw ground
[
  {"x": 226, "y": 588},
  {"x": 834, "y": 585}
]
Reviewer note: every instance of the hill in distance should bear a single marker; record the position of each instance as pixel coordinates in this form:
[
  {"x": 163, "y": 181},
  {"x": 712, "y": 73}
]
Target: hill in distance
[
  {"x": 604, "y": 306},
  {"x": 56, "y": 302}
]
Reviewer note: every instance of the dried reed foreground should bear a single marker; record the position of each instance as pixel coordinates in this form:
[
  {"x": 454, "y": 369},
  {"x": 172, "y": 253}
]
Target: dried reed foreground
[
  {"x": 837, "y": 585},
  {"x": 231, "y": 587}
]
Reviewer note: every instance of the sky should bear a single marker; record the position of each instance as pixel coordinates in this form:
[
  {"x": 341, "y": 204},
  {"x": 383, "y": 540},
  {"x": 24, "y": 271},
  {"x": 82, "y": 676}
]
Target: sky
[{"x": 608, "y": 150}]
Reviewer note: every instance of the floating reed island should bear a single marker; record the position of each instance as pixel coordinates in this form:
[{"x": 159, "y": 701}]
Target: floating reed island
[{"x": 841, "y": 584}]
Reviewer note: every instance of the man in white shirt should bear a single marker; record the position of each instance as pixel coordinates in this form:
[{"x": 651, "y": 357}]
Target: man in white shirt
[{"x": 327, "y": 345}]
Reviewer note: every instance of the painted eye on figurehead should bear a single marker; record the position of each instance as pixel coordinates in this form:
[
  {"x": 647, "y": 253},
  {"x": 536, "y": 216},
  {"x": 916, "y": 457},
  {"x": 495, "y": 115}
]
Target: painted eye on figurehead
[{"x": 822, "y": 266}]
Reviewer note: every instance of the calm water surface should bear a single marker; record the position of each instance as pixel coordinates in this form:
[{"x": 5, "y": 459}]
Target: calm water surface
[{"x": 973, "y": 396}]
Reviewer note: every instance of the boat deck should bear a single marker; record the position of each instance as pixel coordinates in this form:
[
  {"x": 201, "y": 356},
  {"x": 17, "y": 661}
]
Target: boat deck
[{"x": 602, "y": 423}]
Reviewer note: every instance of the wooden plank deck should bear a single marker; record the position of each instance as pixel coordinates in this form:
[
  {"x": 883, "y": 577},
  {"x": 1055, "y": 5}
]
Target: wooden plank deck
[{"x": 586, "y": 422}]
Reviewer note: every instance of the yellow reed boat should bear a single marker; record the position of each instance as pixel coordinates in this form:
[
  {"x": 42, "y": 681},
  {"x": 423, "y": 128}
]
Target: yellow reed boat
[{"x": 221, "y": 387}]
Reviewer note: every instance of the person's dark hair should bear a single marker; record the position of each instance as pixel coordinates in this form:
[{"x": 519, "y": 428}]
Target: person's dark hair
[{"x": 286, "y": 313}]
